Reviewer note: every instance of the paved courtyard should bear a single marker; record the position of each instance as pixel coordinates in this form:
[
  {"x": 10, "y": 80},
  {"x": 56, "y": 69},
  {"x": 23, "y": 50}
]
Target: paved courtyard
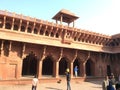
[{"x": 93, "y": 85}]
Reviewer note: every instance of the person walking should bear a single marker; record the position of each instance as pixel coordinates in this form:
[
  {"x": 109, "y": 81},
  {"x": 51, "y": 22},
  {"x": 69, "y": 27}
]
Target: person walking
[
  {"x": 76, "y": 71},
  {"x": 68, "y": 78},
  {"x": 105, "y": 83},
  {"x": 34, "y": 83},
  {"x": 113, "y": 81}
]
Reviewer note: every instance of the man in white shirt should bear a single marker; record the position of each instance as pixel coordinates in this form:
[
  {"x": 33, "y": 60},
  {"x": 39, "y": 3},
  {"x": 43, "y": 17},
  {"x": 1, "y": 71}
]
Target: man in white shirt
[{"x": 34, "y": 83}]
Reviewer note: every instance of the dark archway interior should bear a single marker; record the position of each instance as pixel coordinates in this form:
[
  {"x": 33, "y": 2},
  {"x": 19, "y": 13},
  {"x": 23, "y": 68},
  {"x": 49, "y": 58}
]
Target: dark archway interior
[
  {"x": 89, "y": 68},
  {"x": 76, "y": 63},
  {"x": 108, "y": 70},
  {"x": 47, "y": 68},
  {"x": 62, "y": 66},
  {"x": 29, "y": 65}
]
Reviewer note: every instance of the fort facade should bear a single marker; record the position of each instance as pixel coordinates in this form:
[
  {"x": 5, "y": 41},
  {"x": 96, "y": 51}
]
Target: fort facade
[{"x": 30, "y": 46}]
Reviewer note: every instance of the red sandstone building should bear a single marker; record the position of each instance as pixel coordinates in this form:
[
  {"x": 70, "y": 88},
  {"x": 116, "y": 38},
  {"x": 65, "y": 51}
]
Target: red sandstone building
[{"x": 30, "y": 46}]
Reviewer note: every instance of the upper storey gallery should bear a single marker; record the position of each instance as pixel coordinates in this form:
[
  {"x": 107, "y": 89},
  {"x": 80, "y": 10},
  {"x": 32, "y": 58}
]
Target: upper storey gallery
[{"x": 33, "y": 26}]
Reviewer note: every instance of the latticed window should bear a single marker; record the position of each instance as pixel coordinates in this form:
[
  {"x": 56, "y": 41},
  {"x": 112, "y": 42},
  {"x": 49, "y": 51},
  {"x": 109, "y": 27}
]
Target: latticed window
[
  {"x": 75, "y": 38},
  {"x": 8, "y": 26},
  {"x": 41, "y": 32},
  {"x": 46, "y": 33},
  {"x": 15, "y": 27},
  {"x": 57, "y": 35},
  {"x": 35, "y": 31},
  {"x": 22, "y": 28},
  {"x": 29, "y": 30},
  {"x": 52, "y": 34}
]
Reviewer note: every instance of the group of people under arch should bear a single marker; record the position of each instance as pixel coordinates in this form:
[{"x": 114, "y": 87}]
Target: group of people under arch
[{"x": 111, "y": 82}]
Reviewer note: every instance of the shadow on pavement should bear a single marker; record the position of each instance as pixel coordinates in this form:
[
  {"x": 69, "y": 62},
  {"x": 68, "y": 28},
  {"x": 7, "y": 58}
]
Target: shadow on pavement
[{"x": 53, "y": 88}]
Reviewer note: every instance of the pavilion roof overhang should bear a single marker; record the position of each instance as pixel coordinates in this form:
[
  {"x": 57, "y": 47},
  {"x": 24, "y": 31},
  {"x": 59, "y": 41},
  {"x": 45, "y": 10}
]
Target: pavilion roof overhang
[{"x": 68, "y": 17}]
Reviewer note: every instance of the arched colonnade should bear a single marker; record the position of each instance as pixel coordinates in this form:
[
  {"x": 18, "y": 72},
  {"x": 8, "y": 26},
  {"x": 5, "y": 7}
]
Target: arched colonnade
[{"x": 48, "y": 66}]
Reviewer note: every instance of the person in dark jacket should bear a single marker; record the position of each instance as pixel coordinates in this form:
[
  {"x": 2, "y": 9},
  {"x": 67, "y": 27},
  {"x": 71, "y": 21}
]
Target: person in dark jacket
[
  {"x": 68, "y": 78},
  {"x": 110, "y": 86}
]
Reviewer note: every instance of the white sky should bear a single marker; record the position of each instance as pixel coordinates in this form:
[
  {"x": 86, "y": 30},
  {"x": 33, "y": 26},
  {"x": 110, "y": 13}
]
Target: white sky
[
  {"x": 101, "y": 16},
  {"x": 107, "y": 22}
]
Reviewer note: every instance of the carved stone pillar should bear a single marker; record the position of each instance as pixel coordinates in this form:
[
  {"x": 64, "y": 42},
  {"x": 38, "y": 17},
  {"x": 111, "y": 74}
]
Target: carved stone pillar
[
  {"x": 27, "y": 26},
  {"x": 4, "y": 21},
  {"x": 45, "y": 29},
  {"x": 40, "y": 69},
  {"x": 39, "y": 29},
  {"x": 2, "y": 51},
  {"x": 10, "y": 45},
  {"x": 83, "y": 69},
  {"x": 33, "y": 27},
  {"x": 71, "y": 69},
  {"x": 61, "y": 19},
  {"x": 56, "y": 69},
  {"x": 20, "y": 25}
]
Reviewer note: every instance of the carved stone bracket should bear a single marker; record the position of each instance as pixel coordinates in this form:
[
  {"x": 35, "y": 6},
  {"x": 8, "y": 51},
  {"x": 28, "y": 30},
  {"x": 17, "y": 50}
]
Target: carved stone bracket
[
  {"x": 88, "y": 56},
  {"x": 61, "y": 54},
  {"x": 75, "y": 56},
  {"x": 44, "y": 51}
]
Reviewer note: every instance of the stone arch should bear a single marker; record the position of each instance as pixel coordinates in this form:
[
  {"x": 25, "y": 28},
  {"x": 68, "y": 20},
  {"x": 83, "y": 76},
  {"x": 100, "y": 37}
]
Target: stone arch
[
  {"x": 29, "y": 66},
  {"x": 90, "y": 68},
  {"x": 76, "y": 63},
  {"x": 63, "y": 65},
  {"x": 47, "y": 66}
]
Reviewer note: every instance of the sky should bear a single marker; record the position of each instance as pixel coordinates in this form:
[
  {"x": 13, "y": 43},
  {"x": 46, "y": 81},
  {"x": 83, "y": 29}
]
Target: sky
[{"x": 101, "y": 16}]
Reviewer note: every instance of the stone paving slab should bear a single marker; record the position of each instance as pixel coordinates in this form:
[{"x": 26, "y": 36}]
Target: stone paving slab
[{"x": 93, "y": 85}]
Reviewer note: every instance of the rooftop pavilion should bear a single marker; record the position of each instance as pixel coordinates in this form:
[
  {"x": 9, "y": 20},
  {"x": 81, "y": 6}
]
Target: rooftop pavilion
[{"x": 65, "y": 16}]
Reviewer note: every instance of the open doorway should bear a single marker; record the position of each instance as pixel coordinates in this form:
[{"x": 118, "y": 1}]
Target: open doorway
[
  {"x": 29, "y": 67},
  {"x": 90, "y": 67},
  {"x": 108, "y": 70},
  {"x": 47, "y": 67},
  {"x": 63, "y": 65}
]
